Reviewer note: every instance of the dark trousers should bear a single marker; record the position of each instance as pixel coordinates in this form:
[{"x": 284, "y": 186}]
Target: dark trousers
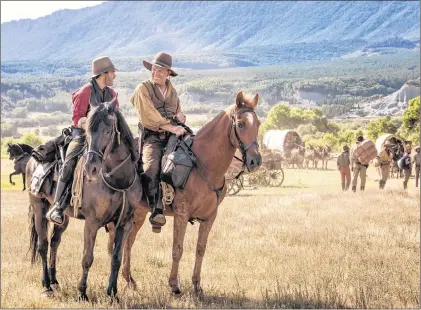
[
  {"x": 155, "y": 147},
  {"x": 75, "y": 148}
]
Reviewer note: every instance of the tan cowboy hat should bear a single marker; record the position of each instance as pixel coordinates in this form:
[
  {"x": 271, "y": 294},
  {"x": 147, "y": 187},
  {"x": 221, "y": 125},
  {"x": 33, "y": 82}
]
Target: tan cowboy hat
[
  {"x": 161, "y": 60},
  {"x": 102, "y": 64}
]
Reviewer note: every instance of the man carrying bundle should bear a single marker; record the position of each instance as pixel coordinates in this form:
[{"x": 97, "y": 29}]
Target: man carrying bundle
[{"x": 363, "y": 152}]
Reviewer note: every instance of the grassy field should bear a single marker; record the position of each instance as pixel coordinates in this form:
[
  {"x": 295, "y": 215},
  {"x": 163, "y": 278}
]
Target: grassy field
[{"x": 305, "y": 245}]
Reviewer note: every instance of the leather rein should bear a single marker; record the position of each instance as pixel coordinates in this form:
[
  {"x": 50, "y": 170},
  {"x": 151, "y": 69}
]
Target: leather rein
[
  {"x": 103, "y": 156},
  {"x": 243, "y": 148}
]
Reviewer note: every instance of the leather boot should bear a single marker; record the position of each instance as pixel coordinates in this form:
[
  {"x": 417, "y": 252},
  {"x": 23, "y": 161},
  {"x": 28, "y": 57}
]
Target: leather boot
[
  {"x": 55, "y": 214},
  {"x": 354, "y": 188},
  {"x": 157, "y": 217}
]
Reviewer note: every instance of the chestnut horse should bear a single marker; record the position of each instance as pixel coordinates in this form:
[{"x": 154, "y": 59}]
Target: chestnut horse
[{"x": 214, "y": 146}]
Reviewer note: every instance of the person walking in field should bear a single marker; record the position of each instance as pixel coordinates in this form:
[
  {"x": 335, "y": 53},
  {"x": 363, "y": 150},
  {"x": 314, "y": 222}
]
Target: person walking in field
[
  {"x": 416, "y": 162},
  {"x": 406, "y": 165},
  {"x": 384, "y": 158},
  {"x": 358, "y": 168},
  {"x": 343, "y": 163}
]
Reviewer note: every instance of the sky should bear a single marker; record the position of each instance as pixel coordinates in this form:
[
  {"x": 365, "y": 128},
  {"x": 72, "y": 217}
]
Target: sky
[{"x": 15, "y": 10}]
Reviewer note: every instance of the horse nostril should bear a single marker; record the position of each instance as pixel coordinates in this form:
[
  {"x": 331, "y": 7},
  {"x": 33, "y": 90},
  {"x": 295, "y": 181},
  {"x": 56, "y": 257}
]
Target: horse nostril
[{"x": 94, "y": 170}]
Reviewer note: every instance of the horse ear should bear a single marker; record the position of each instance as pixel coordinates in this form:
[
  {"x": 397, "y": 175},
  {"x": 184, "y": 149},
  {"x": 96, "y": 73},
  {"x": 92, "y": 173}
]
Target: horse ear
[
  {"x": 9, "y": 144},
  {"x": 239, "y": 99},
  {"x": 256, "y": 100},
  {"x": 113, "y": 103}
]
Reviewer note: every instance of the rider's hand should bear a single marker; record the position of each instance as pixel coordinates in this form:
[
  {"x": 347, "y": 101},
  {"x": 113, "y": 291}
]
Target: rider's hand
[{"x": 179, "y": 131}]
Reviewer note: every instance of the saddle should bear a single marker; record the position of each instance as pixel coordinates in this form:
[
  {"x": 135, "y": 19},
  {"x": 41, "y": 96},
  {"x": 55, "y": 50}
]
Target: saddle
[
  {"x": 49, "y": 152},
  {"x": 50, "y": 160}
]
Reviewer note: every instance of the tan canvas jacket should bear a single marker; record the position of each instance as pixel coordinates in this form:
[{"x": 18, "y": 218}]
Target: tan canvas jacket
[{"x": 153, "y": 110}]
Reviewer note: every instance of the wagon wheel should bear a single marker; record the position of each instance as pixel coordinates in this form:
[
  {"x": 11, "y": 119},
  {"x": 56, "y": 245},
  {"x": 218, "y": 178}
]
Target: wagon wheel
[
  {"x": 258, "y": 178},
  {"x": 235, "y": 186},
  {"x": 253, "y": 179},
  {"x": 275, "y": 178},
  {"x": 263, "y": 176}
]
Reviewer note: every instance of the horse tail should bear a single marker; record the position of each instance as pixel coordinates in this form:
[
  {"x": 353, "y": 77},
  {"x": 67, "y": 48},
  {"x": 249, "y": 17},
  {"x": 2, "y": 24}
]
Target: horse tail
[{"x": 33, "y": 241}]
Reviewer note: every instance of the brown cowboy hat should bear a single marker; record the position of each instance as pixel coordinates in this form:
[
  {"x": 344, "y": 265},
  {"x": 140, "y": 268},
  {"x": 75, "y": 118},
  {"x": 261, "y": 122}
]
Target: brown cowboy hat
[
  {"x": 102, "y": 64},
  {"x": 161, "y": 60}
]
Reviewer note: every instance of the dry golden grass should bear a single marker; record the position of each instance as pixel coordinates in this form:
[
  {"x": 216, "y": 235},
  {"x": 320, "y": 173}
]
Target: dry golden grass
[{"x": 306, "y": 245}]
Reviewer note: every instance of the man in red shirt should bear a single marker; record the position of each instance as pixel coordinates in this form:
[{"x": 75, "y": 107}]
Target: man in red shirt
[{"x": 96, "y": 91}]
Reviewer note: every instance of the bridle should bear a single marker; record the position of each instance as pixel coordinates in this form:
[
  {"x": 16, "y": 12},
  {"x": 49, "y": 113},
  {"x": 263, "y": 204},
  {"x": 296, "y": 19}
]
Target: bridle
[
  {"x": 241, "y": 146},
  {"x": 103, "y": 157}
]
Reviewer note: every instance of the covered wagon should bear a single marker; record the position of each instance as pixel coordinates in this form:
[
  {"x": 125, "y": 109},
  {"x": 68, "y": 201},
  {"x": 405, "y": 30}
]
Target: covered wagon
[
  {"x": 282, "y": 140},
  {"x": 395, "y": 141}
]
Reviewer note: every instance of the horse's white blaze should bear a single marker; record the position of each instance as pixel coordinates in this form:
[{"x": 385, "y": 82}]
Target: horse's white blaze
[{"x": 250, "y": 118}]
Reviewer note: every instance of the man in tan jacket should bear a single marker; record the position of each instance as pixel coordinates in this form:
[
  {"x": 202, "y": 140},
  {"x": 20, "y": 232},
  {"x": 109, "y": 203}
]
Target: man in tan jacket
[{"x": 159, "y": 110}]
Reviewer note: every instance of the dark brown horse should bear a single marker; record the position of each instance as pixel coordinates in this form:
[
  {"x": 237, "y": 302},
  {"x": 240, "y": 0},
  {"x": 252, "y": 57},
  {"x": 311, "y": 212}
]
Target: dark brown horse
[
  {"x": 110, "y": 192},
  {"x": 214, "y": 146},
  {"x": 20, "y": 154}
]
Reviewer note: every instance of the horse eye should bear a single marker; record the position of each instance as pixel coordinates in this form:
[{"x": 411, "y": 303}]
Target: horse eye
[{"x": 240, "y": 125}]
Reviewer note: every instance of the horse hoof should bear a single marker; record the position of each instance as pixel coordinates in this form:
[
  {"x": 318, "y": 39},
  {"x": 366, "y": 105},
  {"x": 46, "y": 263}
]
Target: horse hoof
[
  {"x": 199, "y": 293},
  {"x": 132, "y": 286},
  {"x": 176, "y": 292},
  {"x": 82, "y": 297},
  {"x": 114, "y": 300},
  {"x": 47, "y": 293},
  {"x": 55, "y": 286},
  {"x": 13, "y": 183}
]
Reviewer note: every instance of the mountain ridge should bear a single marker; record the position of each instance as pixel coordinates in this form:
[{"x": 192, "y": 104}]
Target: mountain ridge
[{"x": 306, "y": 29}]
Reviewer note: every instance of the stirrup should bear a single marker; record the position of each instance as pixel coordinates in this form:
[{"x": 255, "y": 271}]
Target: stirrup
[
  {"x": 48, "y": 216},
  {"x": 157, "y": 219}
]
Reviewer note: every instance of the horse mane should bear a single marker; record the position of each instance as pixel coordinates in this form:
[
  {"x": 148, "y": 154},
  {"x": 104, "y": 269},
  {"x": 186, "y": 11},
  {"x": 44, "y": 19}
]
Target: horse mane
[
  {"x": 247, "y": 103},
  {"x": 211, "y": 124},
  {"x": 100, "y": 114},
  {"x": 26, "y": 148}
]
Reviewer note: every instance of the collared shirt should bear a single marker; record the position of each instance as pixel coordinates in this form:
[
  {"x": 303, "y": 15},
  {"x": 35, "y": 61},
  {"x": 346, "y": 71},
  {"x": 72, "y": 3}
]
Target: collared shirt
[
  {"x": 148, "y": 114},
  {"x": 81, "y": 99}
]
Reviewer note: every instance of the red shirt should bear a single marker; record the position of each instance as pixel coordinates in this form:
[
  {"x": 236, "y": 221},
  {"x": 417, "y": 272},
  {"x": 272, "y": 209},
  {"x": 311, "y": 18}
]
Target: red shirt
[{"x": 80, "y": 99}]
